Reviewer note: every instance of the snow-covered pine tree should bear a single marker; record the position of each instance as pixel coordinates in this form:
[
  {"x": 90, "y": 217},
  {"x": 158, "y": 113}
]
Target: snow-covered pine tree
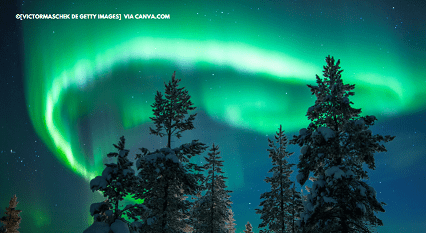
[
  {"x": 188, "y": 228},
  {"x": 249, "y": 228},
  {"x": 167, "y": 180},
  {"x": 334, "y": 147},
  {"x": 277, "y": 213},
  {"x": 169, "y": 112},
  {"x": 116, "y": 182},
  {"x": 230, "y": 223},
  {"x": 296, "y": 207},
  {"x": 212, "y": 212},
  {"x": 166, "y": 172},
  {"x": 12, "y": 219},
  {"x": 193, "y": 209}
]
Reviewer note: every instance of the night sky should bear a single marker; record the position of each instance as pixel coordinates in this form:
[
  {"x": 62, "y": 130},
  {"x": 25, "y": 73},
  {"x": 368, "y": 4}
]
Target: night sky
[{"x": 70, "y": 88}]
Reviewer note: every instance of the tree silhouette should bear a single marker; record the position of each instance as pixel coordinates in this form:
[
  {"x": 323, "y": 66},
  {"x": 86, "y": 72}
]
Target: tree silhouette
[
  {"x": 278, "y": 211},
  {"x": 249, "y": 228},
  {"x": 116, "y": 182},
  {"x": 168, "y": 173},
  {"x": 12, "y": 218},
  {"x": 334, "y": 147},
  {"x": 212, "y": 210},
  {"x": 169, "y": 112}
]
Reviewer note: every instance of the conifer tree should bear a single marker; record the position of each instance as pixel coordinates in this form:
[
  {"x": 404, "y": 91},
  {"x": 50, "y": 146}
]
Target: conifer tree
[
  {"x": 188, "y": 228},
  {"x": 169, "y": 112},
  {"x": 12, "y": 218},
  {"x": 249, "y": 228},
  {"x": 195, "y": 206},
  {"x": 117, "y": 181},
  {"x": 212, "y": 212},
  {"x": 278, "y": 212},
  {"x": 296, "y": 207},
  {"x": 230, "y": 223},
  {"x": 168, "y": 173},
  {"x": 335, "y": 146},
  {"x": 167, "y": 179}
]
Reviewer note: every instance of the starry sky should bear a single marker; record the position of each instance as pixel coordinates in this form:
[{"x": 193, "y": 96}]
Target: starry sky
[{"x": 71, "y": 87}]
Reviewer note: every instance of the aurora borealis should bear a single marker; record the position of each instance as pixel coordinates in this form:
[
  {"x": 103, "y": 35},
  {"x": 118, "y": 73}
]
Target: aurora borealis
[{"x": 246, "y": 66}]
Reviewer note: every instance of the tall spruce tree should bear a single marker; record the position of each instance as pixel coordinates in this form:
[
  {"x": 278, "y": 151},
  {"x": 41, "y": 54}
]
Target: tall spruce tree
[
  {"x": 334, "y": 147},
  {"x": 277, "y": 213},
  {"x": 168, "y": 173},
  {"x": 212, "y": 213},
  {"x": 169, "y": 113}
]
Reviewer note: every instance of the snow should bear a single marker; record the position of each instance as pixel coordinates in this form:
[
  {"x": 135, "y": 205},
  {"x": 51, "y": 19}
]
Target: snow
[
  {"x": 128, "y": 171},
  {"x": 329, "y": 200},
  {"x": 318, "y": 184},
  {"x": 123, "y": 153},
  {"x": 373, "y": 192},
  {"x": 300, "y": 177},
  {"x": 97, "y": 207},
  {"x": 119, "y": 227},
  {"x": 98, "y": 183},
  {"x": 350, "y": 173},
  {"x": 304, "y": 149},
  {"x": 107, "y": 173},
  {"x": 166, "y": 150},
  {"x": 335, "y": 171},
  {"x": 362, "y": 190},
  {"x": 150, "y": 221},
  {"x": 326, "y": 132},
  {"x": 309, "y": 207},
  {"x": 136, "y": 225},
  {"x": 164, "y": 153},
  {"x": 360, "y": 122},
  {"x": 172, "y": 157},
  {"x": 101, "y": 227},
  {"x": 361, "y": 206},
  {"x": 302, "y": 132},
  {"x": 153, "y": 157}
]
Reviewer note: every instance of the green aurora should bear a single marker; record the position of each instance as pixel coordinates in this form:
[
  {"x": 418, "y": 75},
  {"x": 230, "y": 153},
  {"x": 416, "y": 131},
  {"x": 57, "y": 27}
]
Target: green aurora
[{"x": 88, "y": 81}]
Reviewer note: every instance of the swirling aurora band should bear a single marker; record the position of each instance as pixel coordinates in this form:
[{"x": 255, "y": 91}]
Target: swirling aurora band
[{"x": 66, "y": 80}]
